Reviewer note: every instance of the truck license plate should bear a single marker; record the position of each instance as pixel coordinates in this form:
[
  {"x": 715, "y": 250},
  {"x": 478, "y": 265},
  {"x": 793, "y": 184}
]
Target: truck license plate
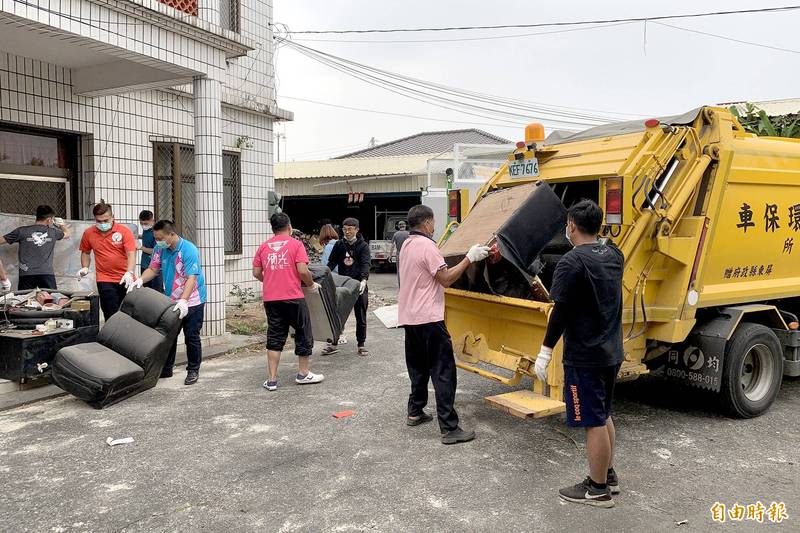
[{"x": 523, "y": 168}]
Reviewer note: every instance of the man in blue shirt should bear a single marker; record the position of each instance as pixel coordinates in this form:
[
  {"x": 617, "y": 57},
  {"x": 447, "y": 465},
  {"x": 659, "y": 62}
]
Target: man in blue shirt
[
  {"x": 179, "y": 262},
  {"x": 146, "y": 221}
]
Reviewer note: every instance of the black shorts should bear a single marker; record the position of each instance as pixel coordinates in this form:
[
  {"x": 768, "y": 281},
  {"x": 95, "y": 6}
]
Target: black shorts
[
  {"x": 588, "y": 393},
  {"x": 284, "y": 314}
]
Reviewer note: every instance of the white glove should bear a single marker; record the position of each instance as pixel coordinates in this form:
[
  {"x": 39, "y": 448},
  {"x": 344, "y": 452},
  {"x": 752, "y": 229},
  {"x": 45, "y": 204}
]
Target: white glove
[
  {"x": 314, "y": 288},
  {"x": 542, "y": 360},
  {"x": 138, "y": 245},
  {"x": 57, "y": 221},
  {"x": 182, "y": 308},
  {"x": 362, "y": 287},
  {"x": 136, "y": 285},
  {"x": 82, "y": 272},
  {"x": 478, "y": 253},
  {"x": 127, "y": 279},
  {"x": 6, "y": 284}
]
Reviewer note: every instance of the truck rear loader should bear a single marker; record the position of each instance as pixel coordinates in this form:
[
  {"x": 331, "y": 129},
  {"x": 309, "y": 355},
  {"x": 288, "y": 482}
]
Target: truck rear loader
[{"x": 706, "y": 215}]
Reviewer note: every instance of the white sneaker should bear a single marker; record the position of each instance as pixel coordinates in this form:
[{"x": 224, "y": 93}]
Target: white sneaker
[
  {"x": 342, "y": 339},
  {"x": 270, "y": 385},
  {"x": 308, "y": 378}
]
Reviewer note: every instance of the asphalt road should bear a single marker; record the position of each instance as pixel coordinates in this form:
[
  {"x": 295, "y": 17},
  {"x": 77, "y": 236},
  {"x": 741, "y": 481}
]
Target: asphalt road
[{"x": 226, "y": 455}]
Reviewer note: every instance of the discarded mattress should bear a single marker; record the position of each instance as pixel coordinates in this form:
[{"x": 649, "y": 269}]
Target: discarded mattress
[
  {"x": 331, "y": 305},
  {"x": 129, "y": 354}
]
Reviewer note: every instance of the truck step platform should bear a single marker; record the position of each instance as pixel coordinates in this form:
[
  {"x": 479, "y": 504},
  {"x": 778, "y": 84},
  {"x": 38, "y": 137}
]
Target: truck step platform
[{"x": 526, "y": 404}]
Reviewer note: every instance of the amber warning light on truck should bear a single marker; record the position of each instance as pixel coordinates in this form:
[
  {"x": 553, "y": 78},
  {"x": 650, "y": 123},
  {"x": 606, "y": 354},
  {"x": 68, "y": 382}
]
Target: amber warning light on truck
[{"x": 614, "y": 201}]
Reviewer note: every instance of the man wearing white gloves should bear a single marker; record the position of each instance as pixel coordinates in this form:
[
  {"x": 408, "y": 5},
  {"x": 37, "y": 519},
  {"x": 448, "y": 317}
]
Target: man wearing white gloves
[
  {"x": 424, "y": 275},
  {"x": 350, "y": 257},
  {"x": 179, "y": 262},
  {"x": 587, "y": 291},
  {"x": 114, "y": 250}
]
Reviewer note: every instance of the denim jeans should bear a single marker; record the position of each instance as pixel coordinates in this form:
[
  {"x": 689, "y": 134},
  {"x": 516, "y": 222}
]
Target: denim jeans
[{"x": 192, "y": 323}]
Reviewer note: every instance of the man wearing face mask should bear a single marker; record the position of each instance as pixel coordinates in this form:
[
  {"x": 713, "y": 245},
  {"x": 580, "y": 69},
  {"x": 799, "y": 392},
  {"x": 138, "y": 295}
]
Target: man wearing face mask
[
  {"x": 424, "y": 276},
  {"x": 179, "y": 260},
  {"x": 114, "y": 250},
  {"x": 351, "y": 256},
  {"x": 146, "y": 221},
  {"x": 36, "y": 245},
  {"x": 587, "y": 291}
]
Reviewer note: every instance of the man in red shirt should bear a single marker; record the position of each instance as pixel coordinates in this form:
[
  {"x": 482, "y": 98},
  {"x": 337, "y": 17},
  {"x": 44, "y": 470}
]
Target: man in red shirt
[
  {"x": 114, "y": 250},
  {"x": 281, "y": 263}
]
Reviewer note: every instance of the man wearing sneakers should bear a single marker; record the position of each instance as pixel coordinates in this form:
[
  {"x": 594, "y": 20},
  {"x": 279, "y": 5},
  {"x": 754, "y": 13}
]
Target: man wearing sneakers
[
  {"x": 281, "y": 264},
  {"x": 429, "y": 351},
  {"x": 587, "y": 291}
]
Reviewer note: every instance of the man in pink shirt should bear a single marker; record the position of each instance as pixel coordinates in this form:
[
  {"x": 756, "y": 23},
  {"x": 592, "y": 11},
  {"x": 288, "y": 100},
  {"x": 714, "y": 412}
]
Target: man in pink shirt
[
  {"x": 281, "y": 263},
  {"x": 429, "y": 352}
]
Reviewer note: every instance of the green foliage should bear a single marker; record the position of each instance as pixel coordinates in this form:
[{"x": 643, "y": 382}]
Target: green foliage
[
  {"x": 243, "y": 295},
  {"x": 755, "y": 120}
]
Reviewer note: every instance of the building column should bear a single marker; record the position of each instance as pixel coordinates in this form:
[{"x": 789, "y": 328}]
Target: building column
[
  {"x": 208, "y": 10},
  {"x": 208, "y": 198}
]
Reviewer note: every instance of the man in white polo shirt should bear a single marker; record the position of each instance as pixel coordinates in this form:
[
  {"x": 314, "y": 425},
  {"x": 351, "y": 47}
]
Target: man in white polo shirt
[{"x": 429, "y": 352}]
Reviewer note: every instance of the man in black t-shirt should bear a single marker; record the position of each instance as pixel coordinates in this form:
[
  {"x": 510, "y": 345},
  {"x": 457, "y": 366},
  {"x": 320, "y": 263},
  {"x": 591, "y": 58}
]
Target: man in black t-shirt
[
  {"x": 36, "y": 245},
  {"x": 587, "y": 291}
]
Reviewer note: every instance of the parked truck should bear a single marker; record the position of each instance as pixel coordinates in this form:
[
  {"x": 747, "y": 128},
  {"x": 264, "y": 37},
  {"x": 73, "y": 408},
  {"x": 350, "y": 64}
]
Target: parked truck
[
  {"x": 706, "y": 215},
  {"x": 380, "y": 248}
]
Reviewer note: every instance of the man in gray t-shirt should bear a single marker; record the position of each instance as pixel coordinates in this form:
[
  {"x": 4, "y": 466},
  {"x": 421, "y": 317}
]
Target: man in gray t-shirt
[
  {"x": 398, "y": 239},
  {"x": 36, "y": 245}
]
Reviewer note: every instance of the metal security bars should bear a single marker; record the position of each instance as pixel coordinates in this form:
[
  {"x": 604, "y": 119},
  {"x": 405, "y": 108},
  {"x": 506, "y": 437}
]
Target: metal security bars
[
  {"x": 174, "y": 186},
  {"x": 22, "y": 194},
  {"x": 232, "y": 202},
  {"x": 229, "y": 15}
]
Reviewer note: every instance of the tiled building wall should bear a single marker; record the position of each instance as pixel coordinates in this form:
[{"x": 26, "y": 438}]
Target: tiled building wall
[{"x": 117, "y": 162}]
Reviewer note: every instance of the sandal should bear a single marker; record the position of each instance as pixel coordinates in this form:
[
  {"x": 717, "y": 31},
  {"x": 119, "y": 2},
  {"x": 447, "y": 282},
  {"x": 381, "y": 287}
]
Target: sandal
[{"x": 363, "y": 352}]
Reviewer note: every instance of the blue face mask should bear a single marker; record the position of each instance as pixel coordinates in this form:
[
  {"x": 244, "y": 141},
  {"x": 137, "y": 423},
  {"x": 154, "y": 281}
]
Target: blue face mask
[
  {"x": 160, "y": 245},
  {"x": 104, "y": 226}
]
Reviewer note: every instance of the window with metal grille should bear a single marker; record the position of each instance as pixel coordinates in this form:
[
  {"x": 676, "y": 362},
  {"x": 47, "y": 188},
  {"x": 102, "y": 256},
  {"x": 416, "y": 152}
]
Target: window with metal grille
[
  {"x": 229, "y": 17},
  {"x": 174, "y": 179},
  {"x": 232, "y": 202}
]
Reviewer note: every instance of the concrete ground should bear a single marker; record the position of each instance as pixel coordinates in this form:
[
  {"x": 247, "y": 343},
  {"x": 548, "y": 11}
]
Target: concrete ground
[{"x": 227, "y": 455}]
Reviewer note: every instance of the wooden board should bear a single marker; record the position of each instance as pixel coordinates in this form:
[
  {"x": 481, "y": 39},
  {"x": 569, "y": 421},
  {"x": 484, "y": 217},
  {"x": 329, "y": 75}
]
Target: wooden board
[
  {"x": 485, "y": 218},
  {"x": 526, "y": 404}
]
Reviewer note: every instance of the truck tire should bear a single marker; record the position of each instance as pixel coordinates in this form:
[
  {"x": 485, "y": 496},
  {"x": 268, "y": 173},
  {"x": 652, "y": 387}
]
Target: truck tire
[{"x": 752, "y": 372}]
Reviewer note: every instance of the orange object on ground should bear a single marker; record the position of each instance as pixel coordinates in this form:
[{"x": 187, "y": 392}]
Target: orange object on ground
[{"x": 343, "y": 414}]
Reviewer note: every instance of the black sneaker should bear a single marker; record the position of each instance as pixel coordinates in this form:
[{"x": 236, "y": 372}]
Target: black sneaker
[
  {"x": 191, "y": 377},
  {"x": 166, "y": 373},
  {"x": 417, "y": 420},
  {"x": 612, "y": 480},
  {"x": 585, "y": 493},
  {"x": 457, "y": 435}
]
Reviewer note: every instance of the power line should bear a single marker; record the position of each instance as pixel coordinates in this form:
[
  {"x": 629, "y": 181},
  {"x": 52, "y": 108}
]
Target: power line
[
  {"x": 551, "y": 24},
  {"x": 403, "y": 115},
  {"x": 496, "y": 37},
  {"x": 729, "y": 38},
  {"x": 505, "y": 109}
]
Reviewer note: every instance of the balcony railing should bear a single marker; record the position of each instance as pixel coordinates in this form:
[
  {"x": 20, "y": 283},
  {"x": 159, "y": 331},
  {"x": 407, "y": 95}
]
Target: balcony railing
[{"x": 187, "y": 6}]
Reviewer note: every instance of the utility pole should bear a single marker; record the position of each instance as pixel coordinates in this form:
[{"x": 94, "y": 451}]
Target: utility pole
[{"x": 278, "y": 137}]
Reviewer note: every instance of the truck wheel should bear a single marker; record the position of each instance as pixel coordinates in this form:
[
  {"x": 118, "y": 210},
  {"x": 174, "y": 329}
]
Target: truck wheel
[{"x": 753, "y": 370}]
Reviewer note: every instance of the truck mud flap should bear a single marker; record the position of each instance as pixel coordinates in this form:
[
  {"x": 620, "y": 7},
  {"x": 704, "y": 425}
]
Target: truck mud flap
[{"x": 698, "y": 362}]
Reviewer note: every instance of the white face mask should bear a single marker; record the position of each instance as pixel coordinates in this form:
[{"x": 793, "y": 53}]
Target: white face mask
[
  {"x": 566, "y": 234},
  {"x": 146, "y": 227}
]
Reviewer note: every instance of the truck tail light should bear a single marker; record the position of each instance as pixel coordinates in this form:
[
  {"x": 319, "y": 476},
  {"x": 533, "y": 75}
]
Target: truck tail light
[{"x": 614, "y": 201}]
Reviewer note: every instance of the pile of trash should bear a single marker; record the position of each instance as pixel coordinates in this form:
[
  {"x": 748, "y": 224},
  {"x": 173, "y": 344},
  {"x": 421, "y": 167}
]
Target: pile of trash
[
  {"x": 311, "y": 244},
  {"x": 37, "y": 299}
]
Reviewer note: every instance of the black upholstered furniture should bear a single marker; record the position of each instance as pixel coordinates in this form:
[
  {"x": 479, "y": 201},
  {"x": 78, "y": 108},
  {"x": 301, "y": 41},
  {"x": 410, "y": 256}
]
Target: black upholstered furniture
[
  {"x": 129, "y": 353},
  {"x": 332, "y": 304}
]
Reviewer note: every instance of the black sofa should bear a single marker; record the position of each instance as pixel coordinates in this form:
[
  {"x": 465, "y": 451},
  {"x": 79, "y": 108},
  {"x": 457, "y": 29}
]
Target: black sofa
[
  {"x": 128, "y": 356},
  {"x": 332, "y": 304}
]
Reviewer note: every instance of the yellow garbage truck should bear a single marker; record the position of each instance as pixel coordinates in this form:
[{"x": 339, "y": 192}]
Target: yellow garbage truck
[{"x": 706, "y": 215}]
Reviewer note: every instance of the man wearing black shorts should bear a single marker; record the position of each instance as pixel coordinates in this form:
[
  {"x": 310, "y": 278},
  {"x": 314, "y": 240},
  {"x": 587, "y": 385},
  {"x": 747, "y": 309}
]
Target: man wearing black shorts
[
  {"x": 281, "y": 264},
  {"x": 587, "y": 291}
]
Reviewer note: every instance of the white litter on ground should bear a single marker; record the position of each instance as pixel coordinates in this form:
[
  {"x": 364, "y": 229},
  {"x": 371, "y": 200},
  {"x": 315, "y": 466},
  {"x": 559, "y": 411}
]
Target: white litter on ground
[
  {"x": 387, "y": 315},
  {"x": 114, "y": 442}
]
